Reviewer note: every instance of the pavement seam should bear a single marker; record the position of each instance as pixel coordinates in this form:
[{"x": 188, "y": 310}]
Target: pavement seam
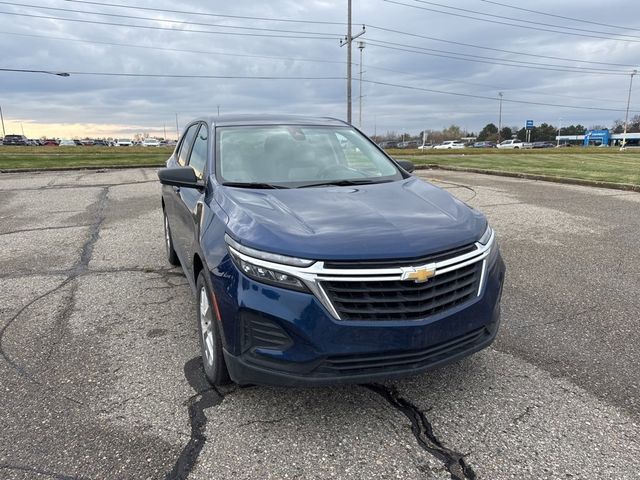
[{"x": 453, "y": 461}]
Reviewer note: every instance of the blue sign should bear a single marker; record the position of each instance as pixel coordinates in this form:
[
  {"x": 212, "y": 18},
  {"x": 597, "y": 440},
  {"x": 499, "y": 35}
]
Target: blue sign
[{"x": 529, "y": 124}]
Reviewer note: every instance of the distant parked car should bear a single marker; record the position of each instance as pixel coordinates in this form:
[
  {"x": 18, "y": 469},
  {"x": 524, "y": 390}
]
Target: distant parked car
[
  {"x": 15, "y": 140},
  {"x": 514, "y": 144},
  {"x": 389, "y": 144},
  {"x": 151, "y": 142},
  {"x": 408, "y": 144},
  {"x": 543, "y": 145},
  {"x": 67, "y": 143},
  {"x": 100, "y": 143},
  {"x": 484, "y": 145},
  {"x": 50, "y": 142},
  {"x": 425, "y": 146},
  {"x": 449, "y": 144},
  {"x": 122, "y": 142}
]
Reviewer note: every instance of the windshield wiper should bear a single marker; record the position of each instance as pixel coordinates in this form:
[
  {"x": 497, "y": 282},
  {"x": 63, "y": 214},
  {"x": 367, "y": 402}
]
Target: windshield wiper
[
  {"x": 343, "y": 183},
  {"x": 252, "y": 185}
]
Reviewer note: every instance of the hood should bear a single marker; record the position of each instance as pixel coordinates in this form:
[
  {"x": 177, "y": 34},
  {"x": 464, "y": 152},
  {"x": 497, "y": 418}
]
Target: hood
[{"x": 402, "y": 219}]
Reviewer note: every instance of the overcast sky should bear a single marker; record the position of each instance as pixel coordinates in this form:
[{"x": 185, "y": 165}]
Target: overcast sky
[{"x": 95, "y": 105}]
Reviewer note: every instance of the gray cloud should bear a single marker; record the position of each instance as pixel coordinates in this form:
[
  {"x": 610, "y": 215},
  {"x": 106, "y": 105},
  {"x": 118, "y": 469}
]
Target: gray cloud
[{"x": 133, "y": 104}]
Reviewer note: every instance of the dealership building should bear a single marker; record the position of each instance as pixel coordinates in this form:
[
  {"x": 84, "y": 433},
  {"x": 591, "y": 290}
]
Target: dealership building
[{"x": 600, "y": 137}]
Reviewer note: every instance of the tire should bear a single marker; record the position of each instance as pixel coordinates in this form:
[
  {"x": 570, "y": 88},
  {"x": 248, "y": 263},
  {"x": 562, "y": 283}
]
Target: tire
[
  {"x": 172, "y": 257},
  {"x": 210, "y": 335}
]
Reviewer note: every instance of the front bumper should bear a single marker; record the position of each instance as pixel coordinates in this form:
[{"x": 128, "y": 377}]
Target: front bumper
[{"x": 300, "y": 343}]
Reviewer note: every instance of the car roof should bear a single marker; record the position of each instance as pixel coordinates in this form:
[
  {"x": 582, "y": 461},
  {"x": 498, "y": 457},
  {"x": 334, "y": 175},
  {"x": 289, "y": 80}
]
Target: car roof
[{"x": 250, "y": 119}]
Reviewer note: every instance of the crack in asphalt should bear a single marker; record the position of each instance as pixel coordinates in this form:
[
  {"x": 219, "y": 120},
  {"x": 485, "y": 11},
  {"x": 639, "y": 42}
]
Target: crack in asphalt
[
  {"x": 40, "y": 471},
  {"x": 79, "y": 268},
  {"x": 453, "y": 461},
  {"x": 206, "y": 396},
  {"x": 39, "y": 229}
]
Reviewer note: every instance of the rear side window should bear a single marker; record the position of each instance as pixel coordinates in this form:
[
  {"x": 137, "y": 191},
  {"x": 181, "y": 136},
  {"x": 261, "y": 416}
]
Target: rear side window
[
  {"x": 185, "y": 146},
  {"x": 198, "y": 158}
]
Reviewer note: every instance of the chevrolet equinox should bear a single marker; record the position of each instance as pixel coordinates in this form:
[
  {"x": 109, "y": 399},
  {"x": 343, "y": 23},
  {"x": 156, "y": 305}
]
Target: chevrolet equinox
[{"x": 315, "y": 258}]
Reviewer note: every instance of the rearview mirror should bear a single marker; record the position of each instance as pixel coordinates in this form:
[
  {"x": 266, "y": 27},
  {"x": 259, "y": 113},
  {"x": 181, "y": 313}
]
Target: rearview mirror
[
  {"x": 406, "y": 165},
  {"x": 180, "y": 177}
]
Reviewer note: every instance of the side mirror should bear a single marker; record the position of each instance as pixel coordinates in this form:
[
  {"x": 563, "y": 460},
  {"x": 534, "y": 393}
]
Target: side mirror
[
  {"x": 406, "y": 165},
  {"x": 180, "y": 177}
]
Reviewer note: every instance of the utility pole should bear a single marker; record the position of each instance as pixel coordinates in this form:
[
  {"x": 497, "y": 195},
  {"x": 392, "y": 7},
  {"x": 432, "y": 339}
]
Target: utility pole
[
  {"x": 22, "y": 128},
  {"x": 348, "y": 40},
  {"x": 177, "y": 129},
  {"x": 361, "y": 46},
  {"x": 2, "y": 118},
  {"x": 500, "y": 117},
  {"x": 218, "y": 110},
  {"x": 626, "y": 116},
  {"x": 165, "y": 131}
]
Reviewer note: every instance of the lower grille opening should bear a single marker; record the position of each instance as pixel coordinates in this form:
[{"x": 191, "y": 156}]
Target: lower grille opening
[
  {"x": 415, "y": 359},
  {"x": 260, "y": 332}
]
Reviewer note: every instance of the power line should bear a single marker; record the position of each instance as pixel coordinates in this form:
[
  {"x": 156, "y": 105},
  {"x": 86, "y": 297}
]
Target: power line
[
  {"x": 560, "y": 16},
  {"x": 492, "y": 87},
  {"x": 179, "y": 22},
  {"x": 510, "y": 24},
  {"x": 178, "y": 50},
  {"x": 499, "y": 59},
  {"x": 206, "y": 14},
  {"x": 173, "y": 30},
  {"x": 400, "y": 32},
  {"x": 269, "y": 77},
  {"x": 532, "y": 22},
  {"x": 421, "y": 51},
  {"x": 167, "y": 75},
  {"x": 270, "y": 57},
  {"x": 484, "y": 97}
]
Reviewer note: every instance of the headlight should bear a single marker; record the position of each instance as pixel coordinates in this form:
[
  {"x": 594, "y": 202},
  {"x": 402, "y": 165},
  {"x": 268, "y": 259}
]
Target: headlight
[
  {"x": 486, "y": 236},
  {"x": 260, "y": 273}
]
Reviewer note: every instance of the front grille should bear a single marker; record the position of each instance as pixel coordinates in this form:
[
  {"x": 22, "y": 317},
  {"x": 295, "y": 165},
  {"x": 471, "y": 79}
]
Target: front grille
[
  {"x": 404, "y": 300},
  {"x": 380, "y": 362}
]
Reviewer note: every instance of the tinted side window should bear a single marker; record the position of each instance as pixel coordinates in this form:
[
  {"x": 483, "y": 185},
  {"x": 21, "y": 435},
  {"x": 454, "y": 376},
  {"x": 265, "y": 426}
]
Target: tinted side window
[
  {"x": 187, "y": 140},
  {"x": 198, "y": 158}
]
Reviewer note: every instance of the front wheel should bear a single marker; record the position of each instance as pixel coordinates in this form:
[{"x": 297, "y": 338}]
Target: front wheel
[{"x": 210, "y": 336}]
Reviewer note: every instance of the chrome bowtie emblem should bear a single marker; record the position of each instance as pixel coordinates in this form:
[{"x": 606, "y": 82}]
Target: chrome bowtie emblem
[{"x": 419, "y": 274}]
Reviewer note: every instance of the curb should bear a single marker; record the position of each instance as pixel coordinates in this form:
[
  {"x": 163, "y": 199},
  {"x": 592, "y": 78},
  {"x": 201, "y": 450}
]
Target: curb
[
  {"x": 531, "y": 176},
  {"x": 67, "y": 169}
]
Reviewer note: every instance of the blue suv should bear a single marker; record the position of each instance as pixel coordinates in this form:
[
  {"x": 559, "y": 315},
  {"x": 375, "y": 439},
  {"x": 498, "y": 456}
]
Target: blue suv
[{"x": 317, "y": 259}]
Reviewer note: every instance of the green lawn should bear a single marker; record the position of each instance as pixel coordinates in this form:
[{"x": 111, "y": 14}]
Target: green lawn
[
  {"x": 584, "y": 164},
  {"x": 594, "y": 165},
  {"x": 74, "y": 157}
]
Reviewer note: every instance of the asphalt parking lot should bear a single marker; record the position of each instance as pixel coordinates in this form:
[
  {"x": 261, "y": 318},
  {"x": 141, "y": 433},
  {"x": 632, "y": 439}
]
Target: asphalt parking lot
[{"x": 100, "y": 376}]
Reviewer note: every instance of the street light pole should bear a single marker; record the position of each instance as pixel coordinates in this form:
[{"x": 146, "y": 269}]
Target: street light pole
[
  {"x": 361, "y": 46},
  {"x": 626, "y": 116},
  {"x": 500, "y": 117},
  {"x": 559, "y": 129}
]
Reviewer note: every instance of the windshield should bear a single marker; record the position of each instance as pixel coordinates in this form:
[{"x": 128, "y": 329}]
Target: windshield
[{"x": 298, "y": 156}]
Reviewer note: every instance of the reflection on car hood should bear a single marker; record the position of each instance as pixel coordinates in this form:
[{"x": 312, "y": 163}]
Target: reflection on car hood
[{"x": 403, "y": 219}]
